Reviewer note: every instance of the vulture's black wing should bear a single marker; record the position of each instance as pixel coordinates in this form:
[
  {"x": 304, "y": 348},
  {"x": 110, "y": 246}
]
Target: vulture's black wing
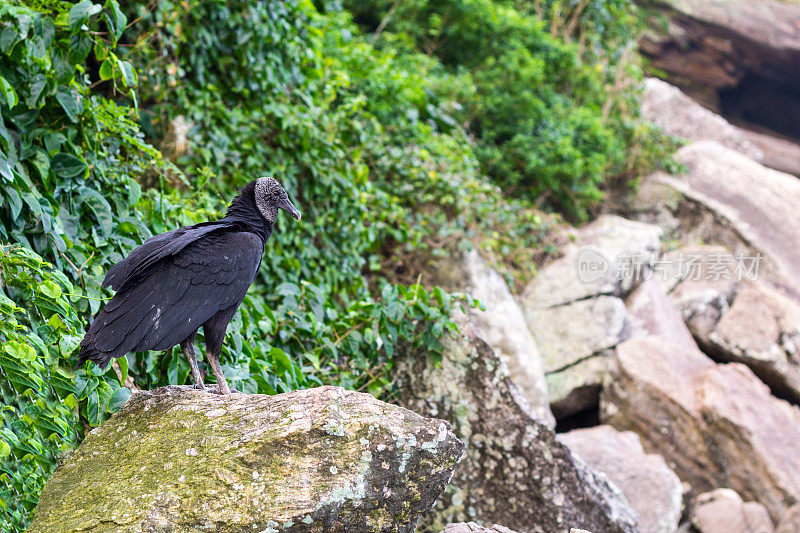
[
  {"x": 148, "y": 255},
  {"x": 174, "y": 296}
]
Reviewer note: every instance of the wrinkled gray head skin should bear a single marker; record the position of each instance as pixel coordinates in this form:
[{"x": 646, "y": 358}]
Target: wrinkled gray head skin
[{"x": 270, "y": 197}]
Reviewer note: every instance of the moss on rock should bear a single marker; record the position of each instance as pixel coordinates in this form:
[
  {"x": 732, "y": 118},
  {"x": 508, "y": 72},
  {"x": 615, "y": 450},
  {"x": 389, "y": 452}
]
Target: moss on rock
[{"x": 179, "y": 460}]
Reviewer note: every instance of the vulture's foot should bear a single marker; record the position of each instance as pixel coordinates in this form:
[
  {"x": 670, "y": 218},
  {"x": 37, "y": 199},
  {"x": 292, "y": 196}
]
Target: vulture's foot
[{"x": 200, "y": 386}]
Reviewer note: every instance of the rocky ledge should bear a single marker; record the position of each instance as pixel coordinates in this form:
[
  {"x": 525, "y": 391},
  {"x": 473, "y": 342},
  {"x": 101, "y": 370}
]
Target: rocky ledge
[{"x": 179, "y": 460}]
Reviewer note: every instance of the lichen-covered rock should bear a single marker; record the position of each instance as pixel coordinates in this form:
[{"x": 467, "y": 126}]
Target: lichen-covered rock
[
  {"x": 501, "y": 323},
  {"x": 653, "y": 490},
  {"x": 180, "y": 460},
  {"x": 503, "y": 326},
  {"x": 515, "y": 471}
]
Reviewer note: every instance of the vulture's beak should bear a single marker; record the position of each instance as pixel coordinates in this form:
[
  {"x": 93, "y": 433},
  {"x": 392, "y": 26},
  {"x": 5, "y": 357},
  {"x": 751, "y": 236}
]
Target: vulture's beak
[{"x": 292, "y": 210}]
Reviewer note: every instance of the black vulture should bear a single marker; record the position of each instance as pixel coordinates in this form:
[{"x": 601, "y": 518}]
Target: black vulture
[{"x": 186, "y": 278}]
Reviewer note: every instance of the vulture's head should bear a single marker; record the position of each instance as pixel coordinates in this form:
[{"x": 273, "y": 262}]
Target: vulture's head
[{"x": 270, "y": 196}]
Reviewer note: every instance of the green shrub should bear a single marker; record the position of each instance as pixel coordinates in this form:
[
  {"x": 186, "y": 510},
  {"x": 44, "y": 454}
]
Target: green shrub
[{"x": 555, "y": 88}]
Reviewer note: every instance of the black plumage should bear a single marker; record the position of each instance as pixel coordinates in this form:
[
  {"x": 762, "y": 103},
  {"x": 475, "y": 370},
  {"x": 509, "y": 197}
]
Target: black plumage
[{"x": 178, "y": 281}]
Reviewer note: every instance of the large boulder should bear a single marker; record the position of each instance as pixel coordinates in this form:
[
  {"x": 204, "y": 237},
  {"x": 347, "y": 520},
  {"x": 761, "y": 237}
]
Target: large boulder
[
  {"x": 761, "y": 329},
  {"x": 180, "y": 460},
  {"x": 501, "y": 323},
  {"x": 515, "y": 472},
  {"x": 678, "y": 115},
  {"x": 503, "y": 326},
  {"x": 790, "y": 522},
  {"x": 716, "y": 425},
  {"x": 719, "y": 204},
  {"x": 740, "y": 55},
  {"x": 574, "y": 306},
  {"x": 653, "y": 490},
  {"x": 723, "y": 511},
  {"x": 702, "y": 285}
]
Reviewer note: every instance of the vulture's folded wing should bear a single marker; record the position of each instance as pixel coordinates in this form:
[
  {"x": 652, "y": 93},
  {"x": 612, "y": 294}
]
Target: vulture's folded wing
[
  {"x": 154, "y": 250},
  {"x": 172, "y": 301}
]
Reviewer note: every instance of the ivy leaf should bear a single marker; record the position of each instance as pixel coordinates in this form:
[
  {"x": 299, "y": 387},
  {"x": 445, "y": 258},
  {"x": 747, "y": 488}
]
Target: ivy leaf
[
  {"x": 67, "y": 165},
  {"x": 118, "y": 399},
  {"x": 15, "y": 201},
  {"x": 79, "y": 46},
  {"x": 106, "y": 69},
  {"x": 123, "y": 368},
  {"x": 8, "y": 93},
  {"x": 38, "y": 83},
  {"x": 5, "y": 449},
  {"x": 81, "y": 12},
  {"x": 287, "y": 289},
  {"x": 93, "y": 408},
  {"x": 128, "y": 74},
  {"x": 116, "y": 17},
  {"x": 70, "y": 101}
]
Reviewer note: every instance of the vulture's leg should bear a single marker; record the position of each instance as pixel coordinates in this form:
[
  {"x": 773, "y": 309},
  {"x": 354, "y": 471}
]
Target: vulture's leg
[
  {"x": 214, "y": 332},
  {"x": 188, "y": 350}
]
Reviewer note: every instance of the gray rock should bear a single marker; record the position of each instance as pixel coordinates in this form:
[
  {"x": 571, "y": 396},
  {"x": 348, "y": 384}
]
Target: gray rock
[
  {"x": 611, "y": 242},
  {"x": 723, "y": 511},
  {"x": 653, "y": 490},
  {"x": 716, "y": 425},
  {"x": 651, "y": 313},
  {"x": 472, "y": 527},
  {"x": 176, "y": 459},
  {"x": 515, "y": 471},
  {"x": 729, "y": 211},
  {"x": 680, "y": 116},
  {"x": 790, "y": 522},
  {"x": 779, "y": 154},
  {"x": 704, "y": 288},
  {"x": 761, "y": 330},
  {"x": 574, "y": 310},
  {"x": 503, "y": 326},
  {"x": 502, "y": 323}
]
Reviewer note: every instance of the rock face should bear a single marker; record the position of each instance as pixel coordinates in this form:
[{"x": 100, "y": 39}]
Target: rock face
[
  {"x": 472, "y": 527},
  {"x": 653, "y": 490},
  {"x": 575, "y": 311},
  {"x": 680, "y": 116},
  {"x": 790, "y": 522},
  {"x": 737, "y": 55},
  {"x": 180, "y": 460},
  {"x": 716, "y": 425},
  {"x": 723, "y": 511},
  {"x": 503, "y": 326},
  {"x": 515, "y": 471},
  {"x": 759, "y": 219},
  {"x": 761, "y": 330}
]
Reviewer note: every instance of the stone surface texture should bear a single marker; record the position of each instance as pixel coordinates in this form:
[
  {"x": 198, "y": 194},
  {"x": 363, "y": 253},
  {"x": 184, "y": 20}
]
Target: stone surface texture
[
  {"x": 503, "y": 326},
  {"x": 472, "y": 527},
  {"x": 680, "y": 116},
  {"x": 515, "y": 471},
  {"x": 716, "y": 425},
  {"x": 577, "y": 315},
  {"x": 653, "y": 490},
  {"x": 723, "y": 511},
  {"x": 180, "y": 460}
]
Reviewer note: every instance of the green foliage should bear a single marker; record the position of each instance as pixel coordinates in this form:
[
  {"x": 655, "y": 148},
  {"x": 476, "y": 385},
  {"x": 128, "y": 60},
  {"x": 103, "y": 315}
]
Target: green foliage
[
  {"x": 552, "y": 88},
  {"x": 370, "y": 143},
  {"x": 41, "y": 397}
]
